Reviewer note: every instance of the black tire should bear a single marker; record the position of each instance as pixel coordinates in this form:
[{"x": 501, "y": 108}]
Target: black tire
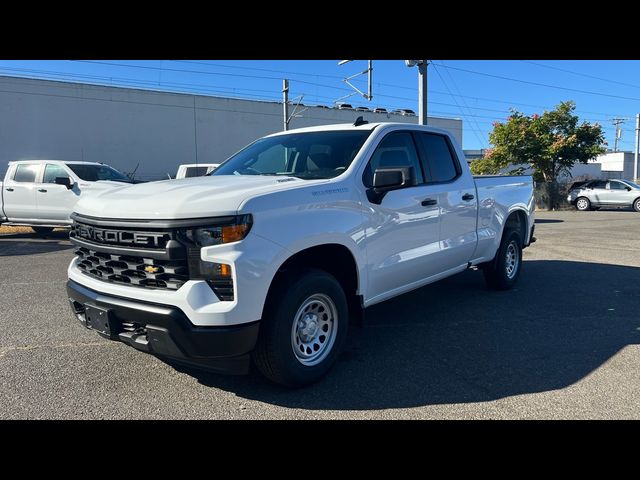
[
  {"x": 583, "y": 204},
  {"x": 636, "y": 204},
  {"x": 42, "y": 230},
  {"x": 274, "y": 355},
  {"x": 496, "y": 273}
]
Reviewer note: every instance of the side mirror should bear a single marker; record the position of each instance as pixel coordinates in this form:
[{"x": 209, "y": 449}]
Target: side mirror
[
  {"x": 66, "y": 181},
  {"x": 628, "y": 189},
  {"x": 387, "y": 179}
]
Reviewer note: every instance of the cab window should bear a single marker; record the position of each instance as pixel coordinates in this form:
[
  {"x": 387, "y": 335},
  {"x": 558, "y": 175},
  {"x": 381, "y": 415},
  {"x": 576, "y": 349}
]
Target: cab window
[
  {"x": 396, "y": 150},
  {"x": 26, "y": 173},
  {"x": 51, "y": 171}
]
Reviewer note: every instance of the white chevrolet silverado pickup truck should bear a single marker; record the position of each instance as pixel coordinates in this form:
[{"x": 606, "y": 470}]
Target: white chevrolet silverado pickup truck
[
  {"x": 42, "y": 193},
  {"x": 270, "y": 256}
]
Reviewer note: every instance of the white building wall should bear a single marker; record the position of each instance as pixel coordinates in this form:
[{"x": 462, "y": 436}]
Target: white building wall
[{"x": 124, "y": 127}]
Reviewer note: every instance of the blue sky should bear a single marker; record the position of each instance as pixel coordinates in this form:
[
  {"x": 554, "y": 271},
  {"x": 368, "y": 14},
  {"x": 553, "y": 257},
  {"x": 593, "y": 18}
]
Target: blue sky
[{"x": 478, "y": 91}]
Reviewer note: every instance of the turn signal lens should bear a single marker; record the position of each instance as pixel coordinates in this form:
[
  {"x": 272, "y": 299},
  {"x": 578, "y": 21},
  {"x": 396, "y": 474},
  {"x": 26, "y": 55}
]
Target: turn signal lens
[{"x": 234, "y": 233}]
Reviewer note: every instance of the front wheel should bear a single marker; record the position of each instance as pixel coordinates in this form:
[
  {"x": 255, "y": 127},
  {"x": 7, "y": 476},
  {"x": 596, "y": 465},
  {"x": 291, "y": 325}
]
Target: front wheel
[
  {"x": 583, "y": 204},
  {"x": 304, "y": 328},
  {"x": 502, "y": 273},
  {"x": 42, "y": 230}
]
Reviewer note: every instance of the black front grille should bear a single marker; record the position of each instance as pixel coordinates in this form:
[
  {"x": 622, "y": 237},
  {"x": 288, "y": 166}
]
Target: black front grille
[
  {"x": 132, "y": 270},
  {"x": 145, "y": 256}
]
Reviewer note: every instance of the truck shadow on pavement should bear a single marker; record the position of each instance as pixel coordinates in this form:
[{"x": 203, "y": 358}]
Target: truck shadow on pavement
[
  {"x": 30, "y": 244},
  {"x": 456, "y": 341}
]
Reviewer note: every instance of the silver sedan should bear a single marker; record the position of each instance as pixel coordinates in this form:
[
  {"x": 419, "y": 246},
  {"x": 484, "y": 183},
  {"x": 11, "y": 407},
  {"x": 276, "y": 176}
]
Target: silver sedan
[{"x": 605, "y": 193}]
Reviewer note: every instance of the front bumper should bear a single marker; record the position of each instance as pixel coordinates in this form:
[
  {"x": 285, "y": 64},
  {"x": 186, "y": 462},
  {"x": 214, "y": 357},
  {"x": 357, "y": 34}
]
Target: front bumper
[{"x": 166, "y": 331}]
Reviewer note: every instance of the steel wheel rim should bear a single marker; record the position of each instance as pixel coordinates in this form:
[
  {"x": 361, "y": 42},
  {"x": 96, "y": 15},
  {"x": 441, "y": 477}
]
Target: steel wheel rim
[
  {"x": 638, "y": 205},
  {"x": 511, "y": 260},
  {"x": 314, "y": 329},
  {"x": 582, "y": 204}
]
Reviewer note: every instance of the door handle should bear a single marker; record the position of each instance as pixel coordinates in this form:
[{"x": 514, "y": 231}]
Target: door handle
[
  {"x": 9, "y": 189},
  {"x": 467, "y": 196},
  {"x": 42, "y": 190},
  {"x": 428, "y": 202}
]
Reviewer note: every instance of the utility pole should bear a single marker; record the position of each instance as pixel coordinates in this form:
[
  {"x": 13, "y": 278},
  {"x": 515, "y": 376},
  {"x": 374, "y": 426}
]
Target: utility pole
[
  {"x": 635, "y": 156},
  {"x": 370, "y": 80},
  {"x": 285, "y": 102},
  {"x": 618, "y": 134},
  {"x": 422, "y": 88},
  {"x": 422, "y": 94}
]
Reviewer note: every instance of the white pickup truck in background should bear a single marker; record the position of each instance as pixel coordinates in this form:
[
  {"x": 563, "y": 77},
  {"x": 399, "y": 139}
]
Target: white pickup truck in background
[
  {"x": 271, "y": 255},
  {"x": 42, "y": 193},
  {"x": 195, "y": 169}
]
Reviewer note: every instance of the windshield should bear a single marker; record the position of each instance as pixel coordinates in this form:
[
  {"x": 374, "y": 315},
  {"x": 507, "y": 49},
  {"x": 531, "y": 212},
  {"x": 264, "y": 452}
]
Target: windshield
[
  {"x": 631, "y": 184},
  {"x": 308, "y": 155},
  {"x": 94, "y": 173}
]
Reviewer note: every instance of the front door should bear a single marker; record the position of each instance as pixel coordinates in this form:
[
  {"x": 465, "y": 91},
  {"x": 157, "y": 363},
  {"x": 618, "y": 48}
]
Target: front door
[
  {"x": 55, "y": 202},
  {"x": 19, "y": 193},
  {"x": 619, "y": 193},
  {"x": 402, "y": 234}
]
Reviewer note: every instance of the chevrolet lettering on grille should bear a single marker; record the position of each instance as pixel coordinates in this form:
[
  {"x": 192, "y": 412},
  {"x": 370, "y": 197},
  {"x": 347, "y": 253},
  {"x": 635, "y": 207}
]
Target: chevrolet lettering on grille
[{"x": 120, "y": 237}]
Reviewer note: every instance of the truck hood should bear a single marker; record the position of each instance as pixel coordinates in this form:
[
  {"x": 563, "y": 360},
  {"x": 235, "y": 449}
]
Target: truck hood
[
  {"x": 196, "y": 197},
  {"x": 100, "y": 185}
]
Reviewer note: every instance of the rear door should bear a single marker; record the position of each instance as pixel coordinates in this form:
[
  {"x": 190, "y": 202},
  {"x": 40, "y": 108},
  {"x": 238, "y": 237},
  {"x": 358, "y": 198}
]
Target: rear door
[
  {"x": 455, "y": 190},
  {"x": 599, "y": 193},
  {"x": 20, "y": 192},
  {"x": 55, "y": 202}
]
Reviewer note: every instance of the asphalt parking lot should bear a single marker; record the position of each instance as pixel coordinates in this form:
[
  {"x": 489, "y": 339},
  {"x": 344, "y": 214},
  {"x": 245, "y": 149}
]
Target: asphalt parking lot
[{"x": 563, "y": 344}]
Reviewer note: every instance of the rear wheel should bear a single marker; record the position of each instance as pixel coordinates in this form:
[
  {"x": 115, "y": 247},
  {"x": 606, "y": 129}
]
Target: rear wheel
[
  {"x": 503, "y": 272},
  {"x": 636, "y": 204},
  {"x": 42, "y": 230},
  {"x": 583, "y": 204},
  {"x": 303, "y": 329}
]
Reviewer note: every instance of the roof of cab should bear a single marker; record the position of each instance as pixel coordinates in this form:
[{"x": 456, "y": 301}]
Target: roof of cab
[
  {"x": 363, "y": 126},
  {"x": 35, "y": 160}
]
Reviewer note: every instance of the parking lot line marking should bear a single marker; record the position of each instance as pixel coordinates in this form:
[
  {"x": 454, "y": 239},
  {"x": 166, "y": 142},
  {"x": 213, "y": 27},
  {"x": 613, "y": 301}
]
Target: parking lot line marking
[{"x": 5, "y": 350}]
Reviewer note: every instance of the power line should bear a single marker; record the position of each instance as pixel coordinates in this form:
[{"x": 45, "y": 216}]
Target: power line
[
  {"x": 476, "y": 133},
  {"x": 344, "y": 89},
  {"x": 262, "y": 77},
  {"x": 242, "y": 67},
  {"x": 581, "y": 74},
  {"x": 587, "y": 92},
  {"x": 236, "y": 90}
]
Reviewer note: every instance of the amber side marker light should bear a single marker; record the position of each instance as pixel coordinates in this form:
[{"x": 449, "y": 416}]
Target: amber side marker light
[{"x": 235, "y": 233}]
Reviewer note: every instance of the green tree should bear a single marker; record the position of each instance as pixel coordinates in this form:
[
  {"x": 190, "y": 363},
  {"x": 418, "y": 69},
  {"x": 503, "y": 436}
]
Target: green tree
[{"x": 550, "y": 144}]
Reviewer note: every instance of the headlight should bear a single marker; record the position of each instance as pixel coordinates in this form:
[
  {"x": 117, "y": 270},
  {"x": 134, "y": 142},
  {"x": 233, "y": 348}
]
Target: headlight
[{"x": 233, "y": 230}]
